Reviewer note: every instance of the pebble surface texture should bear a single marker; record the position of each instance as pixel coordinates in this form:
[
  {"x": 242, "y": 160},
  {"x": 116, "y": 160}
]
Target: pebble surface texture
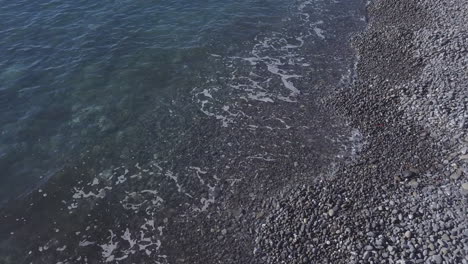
[{"x": 404, "y": 198}]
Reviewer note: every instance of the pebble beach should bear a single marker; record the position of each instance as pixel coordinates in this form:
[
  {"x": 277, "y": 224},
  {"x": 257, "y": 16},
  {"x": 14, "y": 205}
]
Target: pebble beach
[{"x": 404, "y": 199}]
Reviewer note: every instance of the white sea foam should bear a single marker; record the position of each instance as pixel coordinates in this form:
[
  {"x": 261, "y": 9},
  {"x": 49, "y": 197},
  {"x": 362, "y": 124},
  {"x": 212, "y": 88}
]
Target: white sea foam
[
  {"x": 108, "y": 248},
  {"x": 274, "y": 57},
  {"x": 85, "y": 243},
  {"x": 272, "y": 72},
  {"x": 319, "y": 32}
]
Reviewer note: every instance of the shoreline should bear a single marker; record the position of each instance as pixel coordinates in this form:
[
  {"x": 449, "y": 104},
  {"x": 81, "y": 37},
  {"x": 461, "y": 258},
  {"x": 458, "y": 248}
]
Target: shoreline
[
  {"x": 189, "y": 187},
  {"x": 279, "y": 190},
  {"x": 404, "y": 199}
]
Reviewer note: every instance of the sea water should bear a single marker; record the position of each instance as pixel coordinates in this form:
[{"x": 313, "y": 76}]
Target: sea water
[{"x": 118, "y": 117}]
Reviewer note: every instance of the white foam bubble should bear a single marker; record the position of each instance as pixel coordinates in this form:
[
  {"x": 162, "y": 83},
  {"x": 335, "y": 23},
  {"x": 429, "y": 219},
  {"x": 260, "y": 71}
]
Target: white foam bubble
[
  {"x": 85, "y": 243},
  {"x": 319, "y": 32},
  {"x": 108, "y": 248}
]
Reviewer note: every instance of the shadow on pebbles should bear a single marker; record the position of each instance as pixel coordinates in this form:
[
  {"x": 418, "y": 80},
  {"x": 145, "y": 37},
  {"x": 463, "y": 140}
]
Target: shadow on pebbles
[{"x": 404, "y": 198}]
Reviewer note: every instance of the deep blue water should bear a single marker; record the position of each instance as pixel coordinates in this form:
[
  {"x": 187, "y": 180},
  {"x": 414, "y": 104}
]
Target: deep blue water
[{"x": 128, "y": 127}]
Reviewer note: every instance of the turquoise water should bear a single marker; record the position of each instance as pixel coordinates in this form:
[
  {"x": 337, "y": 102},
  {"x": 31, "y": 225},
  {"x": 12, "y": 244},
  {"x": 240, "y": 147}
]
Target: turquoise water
[{"x": 129, "y": 128}]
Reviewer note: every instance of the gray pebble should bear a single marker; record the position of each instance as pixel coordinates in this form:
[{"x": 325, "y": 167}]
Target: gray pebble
[{"x": 437, "y": 259}]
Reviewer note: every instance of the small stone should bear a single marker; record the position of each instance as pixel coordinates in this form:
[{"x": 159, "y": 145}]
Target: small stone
[
  {"x": 444, "y": 251},
  {"x": 224, "y": 232},
  {"x": 408, "y": 174},
  {"x": 465, "y": 186},
  {"x": 408, "y": 234},
  {"x": 431, "y": 246},
  {"x": 445, "y": 237},
  {"x": 413, "y": 183},
  {"x": 366, "y": 255},
  {"x": 368, "y": 248},
  {"x": 456, "y": 175},
  {"x": 331, "y": 212},
  {"x": 437, "y": 259},
  {"x": 440, "y": 242},
  {"x": 464, "y": 150},
  {"x": 379, "y": 242},
  {"x": 410, "y": 247}
]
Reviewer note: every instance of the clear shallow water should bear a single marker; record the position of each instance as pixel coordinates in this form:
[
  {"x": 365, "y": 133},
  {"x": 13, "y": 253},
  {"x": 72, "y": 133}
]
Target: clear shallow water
[
  {"x": 75, "y": 72},
  {"x": 150, "y": 119}
]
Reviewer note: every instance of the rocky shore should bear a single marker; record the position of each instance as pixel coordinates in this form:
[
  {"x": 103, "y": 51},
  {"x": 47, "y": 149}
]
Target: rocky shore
[
  {"x": 404, "y": 198},
  {"x": 235, "y": 178}
]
